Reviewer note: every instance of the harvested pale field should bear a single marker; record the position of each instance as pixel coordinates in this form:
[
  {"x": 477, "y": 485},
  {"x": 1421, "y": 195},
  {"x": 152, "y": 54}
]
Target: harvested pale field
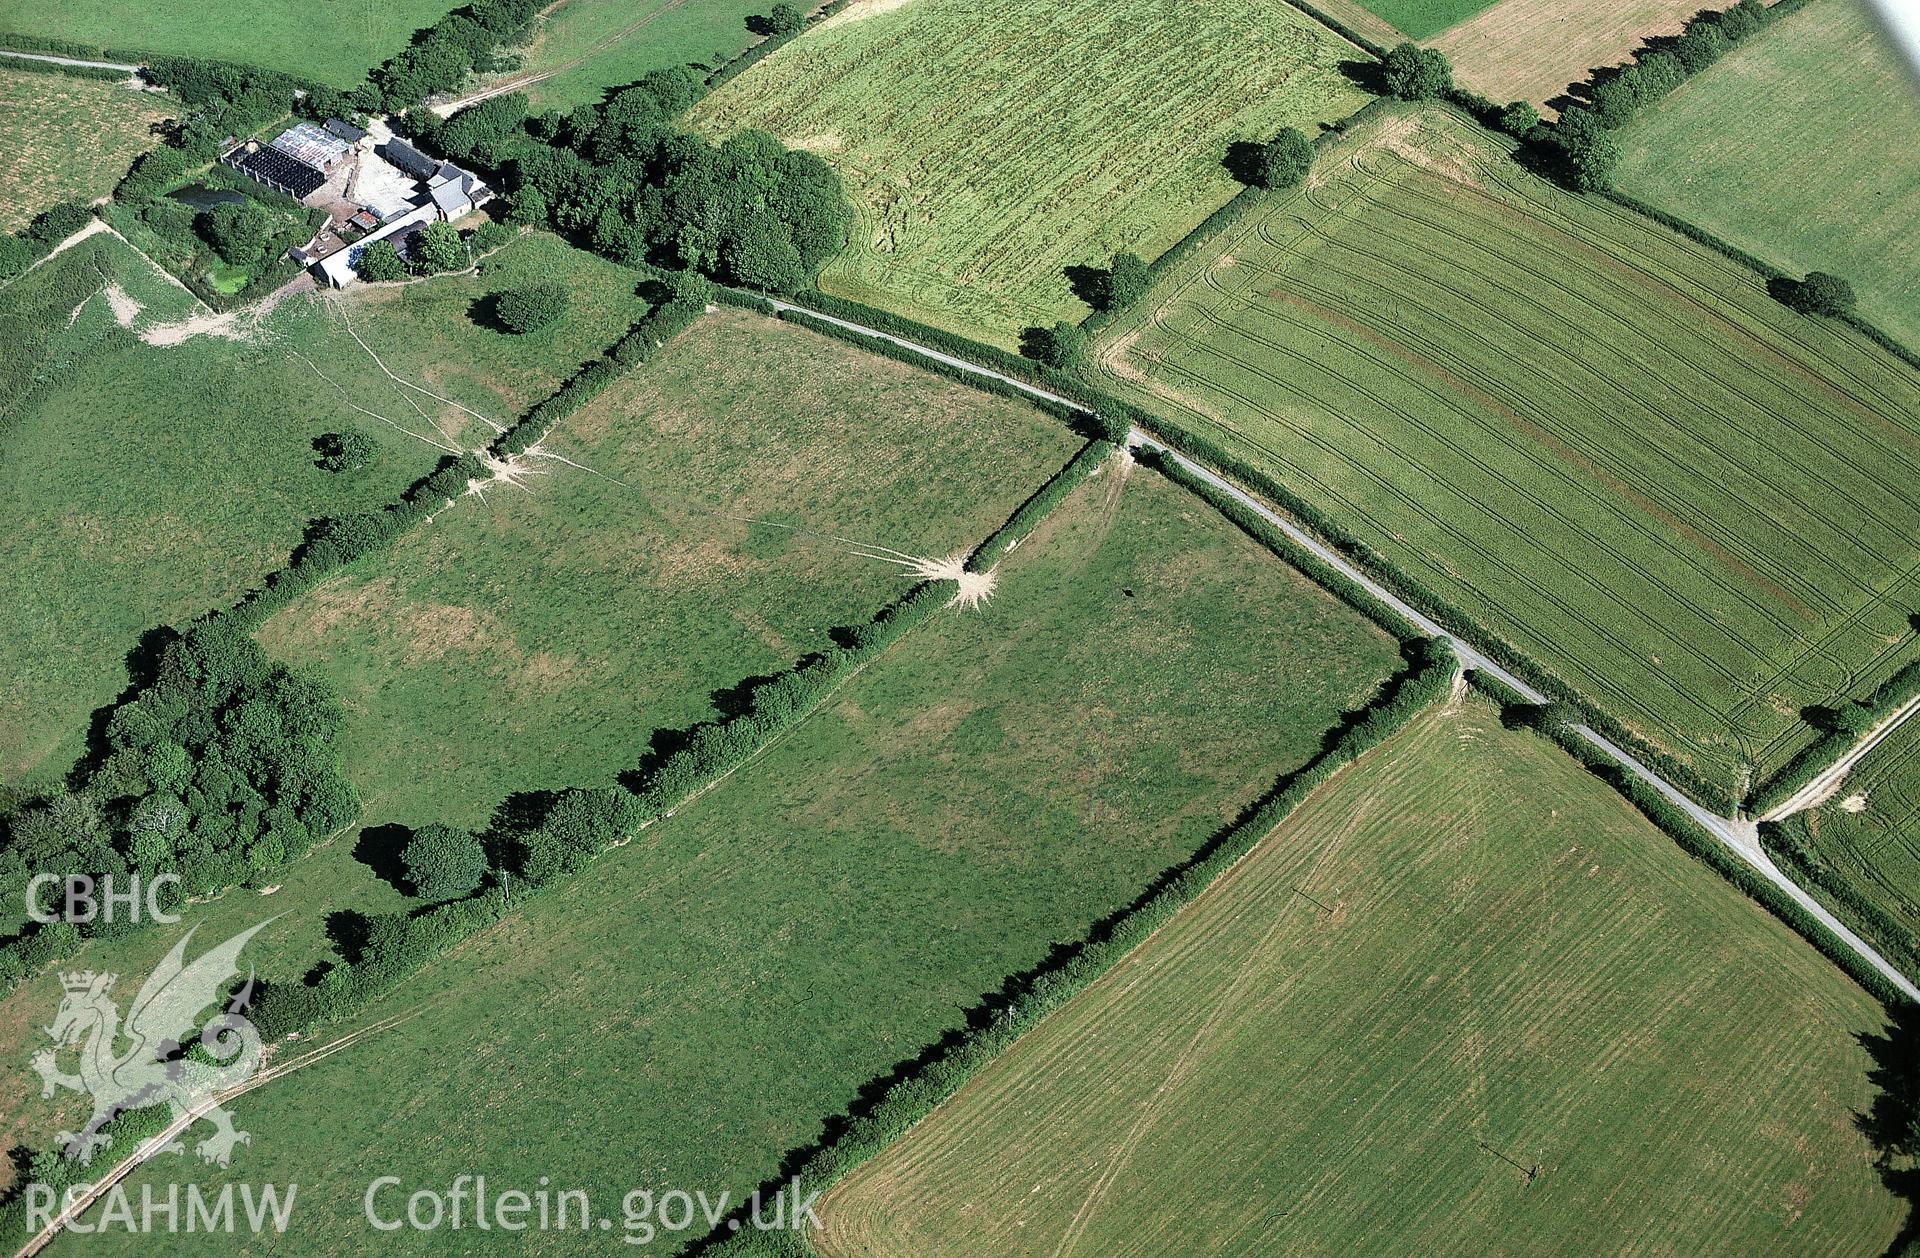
[
  {"x": 64, "y": 138},
  {"x": 1464, "y": 1001},
  {"x": 1532, "y": 49}
]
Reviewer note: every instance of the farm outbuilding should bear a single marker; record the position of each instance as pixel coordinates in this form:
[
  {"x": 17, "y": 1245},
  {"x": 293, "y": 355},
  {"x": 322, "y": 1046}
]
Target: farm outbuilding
[
  {"x": 311, "y": 146},
  {"x": 345, "y": 130},
  {"x": 276, "y": 170}
]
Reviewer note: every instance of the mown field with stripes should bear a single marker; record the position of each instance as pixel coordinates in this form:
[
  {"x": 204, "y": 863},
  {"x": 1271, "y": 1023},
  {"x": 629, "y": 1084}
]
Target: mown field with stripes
[
  {"x": 1604, "y": 443},
  {"x": 987, "y": 145},
  {"x": 1780, "y": 149},
  {"x": 1465, "y": 1000}
]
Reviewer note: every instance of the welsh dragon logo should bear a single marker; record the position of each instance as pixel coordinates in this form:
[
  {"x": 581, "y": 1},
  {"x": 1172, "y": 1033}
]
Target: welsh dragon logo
[{"x": 158, "y": 1067}]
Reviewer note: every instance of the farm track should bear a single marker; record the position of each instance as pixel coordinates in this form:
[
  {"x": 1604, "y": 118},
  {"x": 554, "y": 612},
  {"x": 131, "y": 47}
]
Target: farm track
[
  {"x": 1741, "y": 836},
  {"x": 513, "y": 83},
  {"x": 70, "y": 61}
]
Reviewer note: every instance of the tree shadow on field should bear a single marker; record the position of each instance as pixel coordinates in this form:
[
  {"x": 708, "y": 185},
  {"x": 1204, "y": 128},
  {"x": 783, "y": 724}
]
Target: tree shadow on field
[
  {"x": 997, "y": 1002},
  {"x": 378, "y": 848},
  {"x": 484, "y": 312},
  {"x": 1368, "y": 75},
  {"x": 1891, "y": 1121},
  {"x": 1089, "y": 284},
  {"x": 348, "y": 932},
  {"x": 143, "y": 664},
  {"x": 1243, "y": 160}
]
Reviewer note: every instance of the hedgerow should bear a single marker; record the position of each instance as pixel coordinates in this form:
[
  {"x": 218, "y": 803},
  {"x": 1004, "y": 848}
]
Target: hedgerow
[
  {"x": 583, "y": 823},
  {"x": 1699, "y": 843},
  {"x": 644, "y": 339},
  {"x": 29, "y": 66},
  {"x": 993, "y": 1028},
  {"x": 1415, "y": 594},
  {"x": 1789, "y": 842},
  {"x": 1836, "y": 740}
]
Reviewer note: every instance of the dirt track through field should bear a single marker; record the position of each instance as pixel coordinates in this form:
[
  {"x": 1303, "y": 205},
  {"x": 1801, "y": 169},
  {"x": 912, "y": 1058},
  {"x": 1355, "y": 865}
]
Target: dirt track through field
[{"x": 515, "y": 82}]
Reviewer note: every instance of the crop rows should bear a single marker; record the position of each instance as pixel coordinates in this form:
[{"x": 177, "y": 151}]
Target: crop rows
[
  {"x": 1608, "y": 445},
  {"x": 987, "y": 146}
]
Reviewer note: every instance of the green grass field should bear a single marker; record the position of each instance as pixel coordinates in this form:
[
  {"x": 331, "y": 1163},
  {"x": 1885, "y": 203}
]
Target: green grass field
[
  {"x": 1461, "y": 960},
  {"x": 1780, "y": 149},
  {"x": 987, "y": 146},
  {"x": 990, "y": 786},
  {"x": 1869, "y": 834},
  {"x": 64, "y": 139},
  {"x": 1417, "y": 19},
  {"x": 151, "y": 483},
  {"x": 584, "y": 47},
  {"x": 539, "y": 637},
  {"x": 1604, "y": 443},
  {"x": 335, "y": 43}
]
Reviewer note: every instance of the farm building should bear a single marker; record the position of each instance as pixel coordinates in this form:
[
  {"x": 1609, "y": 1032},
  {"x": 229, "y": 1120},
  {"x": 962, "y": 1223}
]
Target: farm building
[
  {"x": 295, "y": 162},
  {"x": 337, "y": 268},
  {"x": 345, "y": 130},
  {"x": 457, "y": 192},
  {"x": 311, "y": 146}
]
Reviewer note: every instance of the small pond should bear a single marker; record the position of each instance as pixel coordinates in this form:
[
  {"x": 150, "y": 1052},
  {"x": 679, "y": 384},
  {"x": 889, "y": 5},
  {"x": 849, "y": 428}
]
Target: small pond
[{"x": 201, "y": 197}]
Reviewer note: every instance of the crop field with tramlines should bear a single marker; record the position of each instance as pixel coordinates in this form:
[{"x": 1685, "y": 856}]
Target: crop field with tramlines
[
  {"x": 1607, "y": 445},
  {"x": 1780, "y": 148},
  {"x": 1868, "y": 835},
  {"x": 730, "y": 979},
  {"x": 1464, "y": 1000},
  {"x": 988, "y": 145},
  {"x": 67, "y": 139}
]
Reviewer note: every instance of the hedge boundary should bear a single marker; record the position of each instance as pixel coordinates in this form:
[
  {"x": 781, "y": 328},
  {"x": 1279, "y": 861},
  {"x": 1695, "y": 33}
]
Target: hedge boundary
[
  {"x": 711, "y": 753},
  {"x": 1316, "y": 569},
  {"x": 994, "y": 1026},
  {"x": 1695, "y": 840},
  {"x": 650, "y": 334},
  {"x": 1115, "y": 415},
  {"x": 1789, "y": 842},
  {"x": 1817, "y": 756}
]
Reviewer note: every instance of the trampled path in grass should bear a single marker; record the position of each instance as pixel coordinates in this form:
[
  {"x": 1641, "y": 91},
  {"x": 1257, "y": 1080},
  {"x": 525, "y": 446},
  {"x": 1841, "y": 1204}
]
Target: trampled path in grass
[
  {"x": 712, "y": 524},
  {"x": 1465, "y": 999},
  {"x": 988, "y": 146},
  {"x": 1607, "y": 445},
  {"x": 151, "y": 483},
  {"x": 1780, "y": 148},
  {"x": 991, "y": 786}
]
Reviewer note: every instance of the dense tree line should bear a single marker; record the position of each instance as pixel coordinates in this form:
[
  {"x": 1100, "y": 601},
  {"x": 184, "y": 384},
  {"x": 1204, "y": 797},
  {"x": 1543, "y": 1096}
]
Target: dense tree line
[
  {"x": 1589, "y": 154},
  {"x": 624, "y": 179},
  {"x": 467, "y": 40},
  {"x": 220, "y": 769}
]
